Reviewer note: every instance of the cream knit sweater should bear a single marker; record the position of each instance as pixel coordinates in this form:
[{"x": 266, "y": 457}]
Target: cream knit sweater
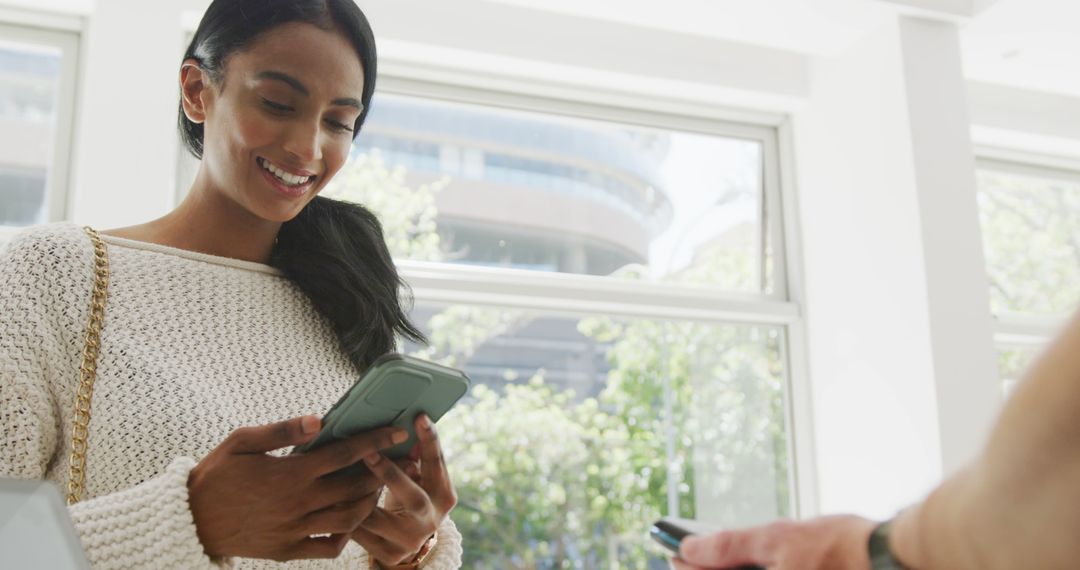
[{"x": 193, "y": 347}]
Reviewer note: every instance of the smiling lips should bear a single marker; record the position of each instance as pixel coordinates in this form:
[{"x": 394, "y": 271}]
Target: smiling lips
[{"x": 284, "y": 176}]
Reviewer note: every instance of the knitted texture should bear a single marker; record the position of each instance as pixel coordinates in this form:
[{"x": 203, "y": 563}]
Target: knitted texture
[{"x": 193, "y": 347}]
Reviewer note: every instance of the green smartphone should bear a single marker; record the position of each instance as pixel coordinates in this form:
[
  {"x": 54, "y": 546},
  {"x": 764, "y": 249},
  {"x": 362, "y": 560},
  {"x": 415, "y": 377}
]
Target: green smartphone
[{"x": 393, "y": 392}]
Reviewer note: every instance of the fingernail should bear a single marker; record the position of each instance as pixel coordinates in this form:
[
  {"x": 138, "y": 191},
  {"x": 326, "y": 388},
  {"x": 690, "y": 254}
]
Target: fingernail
[
  {"x": 310, "y": 424},
  {"x": 425, "y": 421},
  {"x": 687, "y": 546},
  {"x": 372, "y": 459},
  {"x": 399, "y": 436}
]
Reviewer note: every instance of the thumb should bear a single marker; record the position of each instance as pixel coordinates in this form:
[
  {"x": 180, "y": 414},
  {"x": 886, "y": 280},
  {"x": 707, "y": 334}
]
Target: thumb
[
  {"x": 260, "y": 439},
  {"x": 721, "y": 549}
]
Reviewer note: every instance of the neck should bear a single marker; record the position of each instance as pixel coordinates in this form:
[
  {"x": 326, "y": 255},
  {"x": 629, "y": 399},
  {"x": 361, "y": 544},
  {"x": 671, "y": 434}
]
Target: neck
[{"x": 209, "y": 222}]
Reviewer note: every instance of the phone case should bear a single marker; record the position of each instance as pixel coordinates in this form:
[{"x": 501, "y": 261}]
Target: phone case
[
  {"x": 393, "y": 392},
  {"x": 670, "y": 532}
]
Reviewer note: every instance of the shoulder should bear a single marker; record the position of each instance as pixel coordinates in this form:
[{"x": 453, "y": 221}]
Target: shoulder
[
  {"x": 46, "y": 239},
  {"x": 49, "y": 254}
]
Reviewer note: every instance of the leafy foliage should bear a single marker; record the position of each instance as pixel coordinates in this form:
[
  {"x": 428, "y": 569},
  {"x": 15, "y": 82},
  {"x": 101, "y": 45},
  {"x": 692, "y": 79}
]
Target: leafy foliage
[
  {"x": 549, "y": 480},
  {"x": 408, "y": 215},
  {"x": 1031, "y": 239}
]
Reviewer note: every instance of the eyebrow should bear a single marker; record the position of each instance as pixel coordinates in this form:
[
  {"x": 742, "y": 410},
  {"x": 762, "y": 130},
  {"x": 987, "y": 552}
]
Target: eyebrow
[{"x": 298, "y": 86}]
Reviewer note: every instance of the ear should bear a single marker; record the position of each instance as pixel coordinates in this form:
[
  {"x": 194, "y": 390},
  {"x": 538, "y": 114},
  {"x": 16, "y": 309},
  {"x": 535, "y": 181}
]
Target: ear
[{"x": 194, "y": 87}]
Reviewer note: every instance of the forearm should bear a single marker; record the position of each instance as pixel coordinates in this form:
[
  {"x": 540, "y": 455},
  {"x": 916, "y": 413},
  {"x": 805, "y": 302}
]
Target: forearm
[
  {"x": 1015, "y": 506},
  {"x": 936, "y": 533}
]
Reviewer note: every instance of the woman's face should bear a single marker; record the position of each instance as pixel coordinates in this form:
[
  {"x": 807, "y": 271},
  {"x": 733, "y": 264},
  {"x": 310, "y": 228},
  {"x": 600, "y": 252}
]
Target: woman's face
[{"x": 279, "y": 125}]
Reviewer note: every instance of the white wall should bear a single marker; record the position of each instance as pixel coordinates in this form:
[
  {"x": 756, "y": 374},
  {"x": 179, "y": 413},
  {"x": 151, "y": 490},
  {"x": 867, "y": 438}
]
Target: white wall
[
  {"x": 1011, "y": 117},
  {"x": 961, "y": 327},
  {"x": 896, "y": 303},
  {"x": 125, "y": 131},
  {"x": 870, "y": 355}
]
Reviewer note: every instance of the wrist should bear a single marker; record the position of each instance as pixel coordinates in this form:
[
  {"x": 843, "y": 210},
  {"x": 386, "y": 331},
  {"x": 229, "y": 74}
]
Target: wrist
[
  {"x": 879, "y": 548},
  {"x": 938, "y": 532},
  {"x": 411, "y": 563}
]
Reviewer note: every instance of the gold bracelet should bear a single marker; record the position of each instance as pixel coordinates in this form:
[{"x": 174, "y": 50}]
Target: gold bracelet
[{"x": 413, "y": 564}]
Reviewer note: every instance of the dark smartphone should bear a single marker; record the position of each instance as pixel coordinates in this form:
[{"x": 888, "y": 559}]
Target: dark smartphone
[{"x": 670, "y": 532}]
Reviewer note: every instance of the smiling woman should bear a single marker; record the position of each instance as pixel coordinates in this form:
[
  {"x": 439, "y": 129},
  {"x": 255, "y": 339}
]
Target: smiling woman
[{"x": 253, "y": 301}]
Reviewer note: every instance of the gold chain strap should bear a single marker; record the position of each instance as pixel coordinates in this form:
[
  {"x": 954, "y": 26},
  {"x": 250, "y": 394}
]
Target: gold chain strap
[{"x": 80, "y": 427}]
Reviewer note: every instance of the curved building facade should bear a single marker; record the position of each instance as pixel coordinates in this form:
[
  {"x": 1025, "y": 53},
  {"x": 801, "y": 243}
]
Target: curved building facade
[{"x": 526, "y": 192}]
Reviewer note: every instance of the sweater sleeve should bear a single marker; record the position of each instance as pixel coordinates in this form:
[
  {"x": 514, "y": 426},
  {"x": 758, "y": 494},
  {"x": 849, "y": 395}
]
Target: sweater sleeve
[
  {"x": 445, "y": 556},
  {"x": 147, "y": 525},
  {"x": 447, "y": 552}
]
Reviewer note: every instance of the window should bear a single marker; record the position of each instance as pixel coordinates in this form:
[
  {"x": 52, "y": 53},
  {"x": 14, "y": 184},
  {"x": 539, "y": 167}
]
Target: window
[
  {"x": 614, "y": 283},
  {"x": 37, "y": 72},
  {"x": 571, "y": 440},
  {"x": 525, "y": 190},
  {"x": 1030, "y": 216}
]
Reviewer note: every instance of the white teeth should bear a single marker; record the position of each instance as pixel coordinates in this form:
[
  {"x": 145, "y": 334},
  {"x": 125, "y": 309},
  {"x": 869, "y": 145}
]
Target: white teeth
[{"x": 290, "y": 179}]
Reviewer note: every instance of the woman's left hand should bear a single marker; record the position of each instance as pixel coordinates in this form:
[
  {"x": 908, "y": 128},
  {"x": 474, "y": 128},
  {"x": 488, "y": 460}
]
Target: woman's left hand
[{"x": 394, "y": 533}]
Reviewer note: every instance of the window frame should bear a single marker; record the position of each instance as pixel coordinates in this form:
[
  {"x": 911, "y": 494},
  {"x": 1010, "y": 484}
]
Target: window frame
[
  {"x": 1016, "y": 330},
  {"x": 580, "y": 295},
  {"x": 64, "y": 33}
]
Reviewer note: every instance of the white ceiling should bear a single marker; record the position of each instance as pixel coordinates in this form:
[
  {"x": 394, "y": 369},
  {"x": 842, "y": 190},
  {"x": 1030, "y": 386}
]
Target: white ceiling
[
  {"x": 1032, "y": 44},
  {"x": 816, "y": 27}
]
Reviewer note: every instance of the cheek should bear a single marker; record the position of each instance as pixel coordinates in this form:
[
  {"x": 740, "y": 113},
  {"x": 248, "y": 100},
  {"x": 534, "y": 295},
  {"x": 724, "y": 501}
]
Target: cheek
[
  {"x": 335, "y": 154},
  {"x": 250, "y": 130}
]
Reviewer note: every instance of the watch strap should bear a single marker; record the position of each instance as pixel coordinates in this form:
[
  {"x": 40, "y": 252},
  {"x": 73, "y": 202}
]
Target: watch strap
[{"x": 881, "y": 556}]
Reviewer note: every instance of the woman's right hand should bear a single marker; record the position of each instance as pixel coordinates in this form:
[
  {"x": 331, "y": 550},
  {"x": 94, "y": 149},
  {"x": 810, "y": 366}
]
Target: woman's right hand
[{"x": 250, "y": 504}]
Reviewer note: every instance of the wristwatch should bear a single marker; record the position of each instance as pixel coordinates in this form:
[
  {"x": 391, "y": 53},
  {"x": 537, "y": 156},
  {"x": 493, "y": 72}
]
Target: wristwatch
[
  {"x": 881, "y": 557},
  {"x": 413, "y": 564}
]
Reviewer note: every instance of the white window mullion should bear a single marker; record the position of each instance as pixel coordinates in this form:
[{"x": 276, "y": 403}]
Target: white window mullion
[{"x": 572, "y": 294}]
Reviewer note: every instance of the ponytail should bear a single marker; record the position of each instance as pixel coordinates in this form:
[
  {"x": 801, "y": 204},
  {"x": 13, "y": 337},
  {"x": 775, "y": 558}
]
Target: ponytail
[{"x": 335, "y": 252}]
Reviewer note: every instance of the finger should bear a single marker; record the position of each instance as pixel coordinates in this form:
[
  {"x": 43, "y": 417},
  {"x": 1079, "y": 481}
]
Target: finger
[
  {"x": 318, "y": 547},
  {"x": 261, "y": 439},
  {"x": 396, "y": 530},
  {"x": 434, "y": 477},
  {"x": 406, "y": 492},
  {"x": 342, "y": 518},
  {"x": 340, "y": 488},
  {"x": 380, "y": 548},
  {"x": 725, "y": 549},
  {"x": 341, "y": 454},
  {"x": 410, "y": 466},
  {"x": 678, "y": 564}
]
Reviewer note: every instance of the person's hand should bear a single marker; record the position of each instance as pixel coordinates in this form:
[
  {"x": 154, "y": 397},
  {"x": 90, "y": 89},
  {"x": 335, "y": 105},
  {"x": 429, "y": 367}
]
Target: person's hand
[
  {"x": 827, "y": 543},
  {"x": 251, "y": 504},
  {"x": 416, "y": 506}
]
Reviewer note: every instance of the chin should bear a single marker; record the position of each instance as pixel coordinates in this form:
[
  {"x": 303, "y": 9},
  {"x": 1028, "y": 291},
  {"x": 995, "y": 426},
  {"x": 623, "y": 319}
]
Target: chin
[{"x": 279, "y": 214}]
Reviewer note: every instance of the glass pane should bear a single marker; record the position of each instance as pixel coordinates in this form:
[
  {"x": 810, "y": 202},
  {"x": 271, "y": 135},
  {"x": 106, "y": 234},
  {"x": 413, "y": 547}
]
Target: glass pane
[
  {"x": 549, "y": 193},
  {"x": 29, "y": 81},
  {"x": 563, "y": 451},
  {"x": 1031, "y": 236},
  {"x": 1012, "y": 363}
]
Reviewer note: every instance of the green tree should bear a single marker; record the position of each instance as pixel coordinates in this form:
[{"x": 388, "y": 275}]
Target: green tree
[
  {"x": 408, "y": 215},
  {"x": 549, "y": 480},
  {"x": 1031, "y": 240}
]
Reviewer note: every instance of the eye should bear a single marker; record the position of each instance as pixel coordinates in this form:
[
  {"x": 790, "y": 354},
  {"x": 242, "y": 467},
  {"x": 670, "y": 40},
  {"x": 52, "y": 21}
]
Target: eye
[
  {"x": 339, "y": 127},
  {"x": 276, "y": 107}
]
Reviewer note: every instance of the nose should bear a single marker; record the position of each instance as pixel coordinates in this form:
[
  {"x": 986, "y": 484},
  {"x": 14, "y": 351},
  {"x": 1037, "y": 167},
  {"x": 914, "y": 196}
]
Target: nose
[{"x": 302, "y": 141}]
